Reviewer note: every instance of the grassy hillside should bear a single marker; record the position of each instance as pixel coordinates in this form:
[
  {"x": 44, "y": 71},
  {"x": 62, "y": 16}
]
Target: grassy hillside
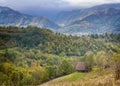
[{"x": 93, "y": 78}]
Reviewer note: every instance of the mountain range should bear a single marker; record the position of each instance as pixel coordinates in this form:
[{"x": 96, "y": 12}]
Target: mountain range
[
  {"x": 10, "y": 17},
  {"x": 98, "y": 19}
]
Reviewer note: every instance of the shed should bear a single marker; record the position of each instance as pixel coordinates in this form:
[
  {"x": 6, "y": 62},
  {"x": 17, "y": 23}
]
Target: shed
[{"x": 81, "y": 67}]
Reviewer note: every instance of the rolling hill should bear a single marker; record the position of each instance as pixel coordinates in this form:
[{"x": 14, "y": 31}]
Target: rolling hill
[{"x": 94, "y": 78}]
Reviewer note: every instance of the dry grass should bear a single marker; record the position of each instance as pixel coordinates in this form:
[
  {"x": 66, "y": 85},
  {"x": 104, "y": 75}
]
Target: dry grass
[{"x": 94, "y": 78}]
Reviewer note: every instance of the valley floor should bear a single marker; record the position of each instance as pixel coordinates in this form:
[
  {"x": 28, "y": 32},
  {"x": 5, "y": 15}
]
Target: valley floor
[{"x": 94, "y": 78}]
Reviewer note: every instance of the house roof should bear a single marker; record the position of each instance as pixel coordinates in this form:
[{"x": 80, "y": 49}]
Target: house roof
[{"x": 81, "y": 66}]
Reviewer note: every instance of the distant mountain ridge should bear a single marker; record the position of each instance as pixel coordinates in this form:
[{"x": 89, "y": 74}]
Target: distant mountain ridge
[
  {"x": 9, "y": 17},
  {"x": 97, "y": 19},
  {"x": 82, "y": 12}
]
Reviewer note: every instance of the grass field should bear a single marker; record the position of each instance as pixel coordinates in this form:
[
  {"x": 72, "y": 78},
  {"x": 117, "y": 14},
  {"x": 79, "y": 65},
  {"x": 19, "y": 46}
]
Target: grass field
[
  {"x": 94, "y": 78},
  {"x": 70, "y": 78}
]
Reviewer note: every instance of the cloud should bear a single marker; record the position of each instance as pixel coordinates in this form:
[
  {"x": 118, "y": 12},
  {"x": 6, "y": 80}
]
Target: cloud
[
  {"x": 33, "y": 3},
  {"x": 53, "y": 4},
  {"x": 87, "y": 3},
  {"x": 2, "y": 1},
  {"x": 48, "y": 7}
]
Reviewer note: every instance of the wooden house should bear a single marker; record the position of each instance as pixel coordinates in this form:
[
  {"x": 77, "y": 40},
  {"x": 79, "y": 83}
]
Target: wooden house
[{"x": 81, "y": 67}]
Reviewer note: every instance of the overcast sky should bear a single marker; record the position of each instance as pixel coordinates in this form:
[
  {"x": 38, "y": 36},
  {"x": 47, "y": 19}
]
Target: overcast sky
[{"x": 41, "y": 7}]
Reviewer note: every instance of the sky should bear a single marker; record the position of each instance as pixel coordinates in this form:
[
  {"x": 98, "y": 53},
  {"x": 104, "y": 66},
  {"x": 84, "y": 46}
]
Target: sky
[{"x": 50, "y": 7}]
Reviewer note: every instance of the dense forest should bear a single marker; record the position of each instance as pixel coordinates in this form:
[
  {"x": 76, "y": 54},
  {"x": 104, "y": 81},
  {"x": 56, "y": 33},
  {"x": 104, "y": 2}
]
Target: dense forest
[{"x": 32, "y": 55}]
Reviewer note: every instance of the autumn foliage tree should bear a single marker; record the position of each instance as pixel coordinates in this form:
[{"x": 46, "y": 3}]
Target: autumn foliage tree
[{"x": 116, "y": 66}]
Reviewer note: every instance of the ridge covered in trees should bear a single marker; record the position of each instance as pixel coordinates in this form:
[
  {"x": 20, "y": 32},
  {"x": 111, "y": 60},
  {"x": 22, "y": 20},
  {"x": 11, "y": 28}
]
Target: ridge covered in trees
[{"x": 31, "y": 55}]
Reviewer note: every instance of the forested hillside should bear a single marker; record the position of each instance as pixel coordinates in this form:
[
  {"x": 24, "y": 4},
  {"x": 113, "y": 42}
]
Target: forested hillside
[{"x": 31, "y": 55}]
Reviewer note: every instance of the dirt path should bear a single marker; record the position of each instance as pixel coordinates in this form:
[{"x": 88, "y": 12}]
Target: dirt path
[{"x": 46, "y": 83}]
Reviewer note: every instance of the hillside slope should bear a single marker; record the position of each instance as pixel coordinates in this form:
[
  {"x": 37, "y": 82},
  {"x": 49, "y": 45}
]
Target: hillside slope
[
  {"x": 94, "y": 78},
  {"x": 32, "y": 56}
]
